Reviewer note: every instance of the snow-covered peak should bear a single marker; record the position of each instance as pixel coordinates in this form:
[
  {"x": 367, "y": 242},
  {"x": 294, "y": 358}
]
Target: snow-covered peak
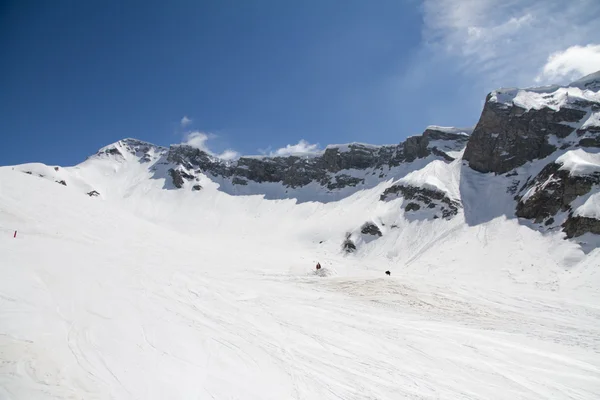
[
  {"x": 555, "y": 97},
  {"x": 129, "y": 143},
  {"x": 589, "y": 82},
  {"x": 126, "y": 148}
]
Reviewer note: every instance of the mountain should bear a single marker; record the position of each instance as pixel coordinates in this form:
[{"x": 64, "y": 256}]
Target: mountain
[
  {"x": 545, "y": 140},
  {"x": 337, "y": 171},
  {"x": 535, "y": 147},
  {"x": 165, "y": 272}
]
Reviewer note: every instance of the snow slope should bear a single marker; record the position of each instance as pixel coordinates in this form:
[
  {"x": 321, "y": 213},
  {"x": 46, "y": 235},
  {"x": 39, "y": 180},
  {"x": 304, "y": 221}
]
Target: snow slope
[
  {"x": 554, "y": 97},
  {"x": 150, "y": 293},
  {"x": 579, "y": 162}
]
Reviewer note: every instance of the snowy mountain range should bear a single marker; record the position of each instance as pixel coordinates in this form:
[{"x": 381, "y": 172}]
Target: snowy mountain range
[
  {"x": 155, "y": 272},
  {"x": 535, "y": 152}
]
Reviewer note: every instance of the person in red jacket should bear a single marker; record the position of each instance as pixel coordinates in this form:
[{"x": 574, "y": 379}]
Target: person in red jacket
[{"x": 318, "y": 266}]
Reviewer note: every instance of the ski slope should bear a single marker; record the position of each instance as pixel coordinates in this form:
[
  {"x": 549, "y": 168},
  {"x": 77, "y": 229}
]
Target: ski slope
[{"x": 146, "y": 293}]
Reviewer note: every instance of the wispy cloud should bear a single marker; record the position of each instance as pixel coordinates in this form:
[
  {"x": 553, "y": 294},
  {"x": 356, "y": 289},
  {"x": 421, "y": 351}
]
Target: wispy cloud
[
  {"x": 265, "y": 151},
  {"x": 185, "y": 121},
  {"x": 229, "y": 155},
  {"x": 508, "y": 42},
  {"x": 302, "y": 147},
  {"x": 199, "y": 140},
  {"x": 573, "y": 63}
]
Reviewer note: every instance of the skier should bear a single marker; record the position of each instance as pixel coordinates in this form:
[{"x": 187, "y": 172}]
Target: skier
[{"x": 318, "y": 266}]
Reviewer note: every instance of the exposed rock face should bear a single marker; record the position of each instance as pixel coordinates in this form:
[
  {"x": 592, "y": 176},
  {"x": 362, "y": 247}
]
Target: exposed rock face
[
  {"x": 178, "y": 177},
  {"x": 507, "y": 137},
  {"x": 324, "y": 168},
  {"x": 520, "y": 126},
  {"x": 553, "y": 191},
  {"x": 343, "y": 180},
  {"x": 93, "y": 193},
  {"x": 370, "y": 228},
  {"x": 192, "y": 158},
  {"x": 589, "y": 135},
  {"x": 62, "y": 182},
  {"x": 196, "y": 188},
  {"x": 418, "y": 197},
  {"x": 577, "y": 226},
  {"x": 412, "y": 207},
  {"x": 239, "y": 181},
  {"x": 143, "y": 150},
  {"x": 348, "y": 246},
  {"x": 434, "y": 141},
  {"x": 113, "y": 152}
]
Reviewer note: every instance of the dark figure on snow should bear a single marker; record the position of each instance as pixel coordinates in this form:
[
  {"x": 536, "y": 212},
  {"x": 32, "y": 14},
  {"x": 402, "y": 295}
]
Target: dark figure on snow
[
  {"x": 388, "y": 273},
  {"x": 318, "y": 266}
]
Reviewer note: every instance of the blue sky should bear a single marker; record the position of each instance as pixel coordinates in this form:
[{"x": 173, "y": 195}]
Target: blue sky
[{"x": 266, "y": 76}]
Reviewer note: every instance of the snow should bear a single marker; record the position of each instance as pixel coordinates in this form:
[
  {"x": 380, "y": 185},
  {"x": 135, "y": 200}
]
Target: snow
[
  {"x": 438, "y": 176},
  {"x": 592, "y": 120},
  {"x": 451, "y": 129},
  {"x": 314, "y": 191},
  {"x": 151, "y": 293},
  {"x": 554, "y": 97},
  {"x": 591, "y": 81},
  {"x": 590, "y": 207},
  {"x": 579, "y": 162}
]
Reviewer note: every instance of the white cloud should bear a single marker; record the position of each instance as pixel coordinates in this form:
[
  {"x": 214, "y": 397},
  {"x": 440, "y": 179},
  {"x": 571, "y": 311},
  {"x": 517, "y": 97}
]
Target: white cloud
[
  {"x": 198, "y": 140},
  {"x": 229, "y": 155},
  {"x": 506, "y": 42},
  {"x": 571, "y": 64},
  {"x": 302, "y": 147},
  {"x": 185, "y": 121}
]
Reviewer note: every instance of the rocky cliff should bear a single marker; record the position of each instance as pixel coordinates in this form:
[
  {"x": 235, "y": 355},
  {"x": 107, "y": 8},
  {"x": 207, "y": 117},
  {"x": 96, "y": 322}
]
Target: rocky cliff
[
  {"x": 337, "y": 167},
  {"x": 538, "y": 147},
  {"x": 541, "y": 137},
  {"x": 325, "y": 168}
]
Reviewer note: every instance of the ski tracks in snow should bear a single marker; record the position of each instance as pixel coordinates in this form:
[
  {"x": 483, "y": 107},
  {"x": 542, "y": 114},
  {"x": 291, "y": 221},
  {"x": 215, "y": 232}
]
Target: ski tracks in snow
[{"x": 253, "y": 333}]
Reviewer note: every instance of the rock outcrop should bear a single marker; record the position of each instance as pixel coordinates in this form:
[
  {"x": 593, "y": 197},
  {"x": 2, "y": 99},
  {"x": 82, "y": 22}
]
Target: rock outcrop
[
  {"x": 179, "y": 177},
  {"x": 370, "y": 228},
  {"x": 552, "y": 191},
  {"x": 577, "y": 226},
  {"x": 325, "y": 168},
  {"x": 418, "y": 197},
  {"x": 531, "y": 128},
  {"x": 348, "y": 245},
  {"x": 522, "y": 125},
  {"x": 508, "y": 136}
]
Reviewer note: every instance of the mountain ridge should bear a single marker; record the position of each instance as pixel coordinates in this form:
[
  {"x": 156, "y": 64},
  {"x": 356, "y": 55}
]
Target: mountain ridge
[{"x": 517, "y": 151}]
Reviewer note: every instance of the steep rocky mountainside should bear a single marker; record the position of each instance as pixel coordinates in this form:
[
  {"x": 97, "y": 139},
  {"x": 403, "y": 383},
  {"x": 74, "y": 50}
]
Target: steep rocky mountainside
[
  {"x": 545, "y": 139},
  {"x": 521, "y": 125},
  {"x": 534, "y": 156},
  {"x": 337, "y": 167}
]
